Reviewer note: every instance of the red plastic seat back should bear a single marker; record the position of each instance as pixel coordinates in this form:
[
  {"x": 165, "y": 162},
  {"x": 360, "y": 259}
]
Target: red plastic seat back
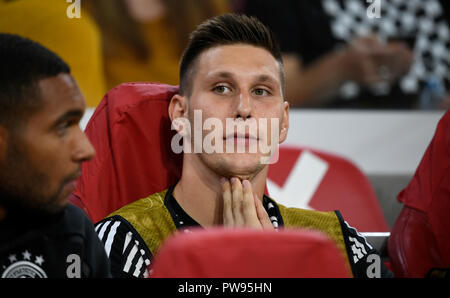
[
  {"x": 131, "y": 133},
  {"x": 245, "y": 253},
  {"x": 343, "y": 186},
  {"x": 420, "y": 238}
]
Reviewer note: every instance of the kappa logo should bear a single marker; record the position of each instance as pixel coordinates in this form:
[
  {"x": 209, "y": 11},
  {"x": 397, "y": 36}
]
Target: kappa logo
[{"x": 26, "y": 267}]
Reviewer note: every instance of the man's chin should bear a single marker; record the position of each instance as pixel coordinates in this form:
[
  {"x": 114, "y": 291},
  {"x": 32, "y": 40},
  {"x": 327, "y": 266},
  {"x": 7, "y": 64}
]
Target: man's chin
[
  {"x": 57, "y": 208},
  {"x": 53, "y": 206},
  {"x": 242, "y": 166}
]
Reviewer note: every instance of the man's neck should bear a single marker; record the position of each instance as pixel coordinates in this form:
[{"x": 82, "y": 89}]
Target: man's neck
[{"x": 199, "y": 192}]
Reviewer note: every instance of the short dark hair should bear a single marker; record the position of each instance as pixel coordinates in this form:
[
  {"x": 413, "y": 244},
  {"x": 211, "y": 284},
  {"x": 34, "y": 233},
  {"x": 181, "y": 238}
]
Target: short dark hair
[
  {"x": 23, "y": 63},
  {"x": 226, "y": 29}
]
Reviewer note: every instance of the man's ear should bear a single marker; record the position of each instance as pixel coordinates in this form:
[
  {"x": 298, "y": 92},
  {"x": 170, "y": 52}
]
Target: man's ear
[
  {"x": 4, "y": 137},
  {"x": 284, "y": 122},
  {"x": 177, "y": 108}
]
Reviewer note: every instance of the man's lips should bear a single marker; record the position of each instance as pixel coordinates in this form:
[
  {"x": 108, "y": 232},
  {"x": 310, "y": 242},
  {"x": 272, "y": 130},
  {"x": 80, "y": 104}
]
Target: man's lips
[
  {"x": 75, "y": 176},
  {"x": 245, "y": 136},
  {"x": 71, "y": 181}
]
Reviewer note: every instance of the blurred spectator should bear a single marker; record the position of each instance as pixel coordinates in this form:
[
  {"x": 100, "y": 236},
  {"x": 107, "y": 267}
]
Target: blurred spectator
[
  {"x": 143, "y": 40},
  {"x": 362, "y": 54},
  {"x": 76, "y": 40}
]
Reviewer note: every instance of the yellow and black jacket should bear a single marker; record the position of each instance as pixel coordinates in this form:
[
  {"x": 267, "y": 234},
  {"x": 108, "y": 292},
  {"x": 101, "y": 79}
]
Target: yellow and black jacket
[{"x": 133, "y": 234}]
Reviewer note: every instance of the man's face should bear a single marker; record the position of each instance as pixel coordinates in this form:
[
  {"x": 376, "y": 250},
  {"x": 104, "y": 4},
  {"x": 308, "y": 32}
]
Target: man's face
[
  {"x": 239, "y": 84},
  {"x": 43, "y": 158}
]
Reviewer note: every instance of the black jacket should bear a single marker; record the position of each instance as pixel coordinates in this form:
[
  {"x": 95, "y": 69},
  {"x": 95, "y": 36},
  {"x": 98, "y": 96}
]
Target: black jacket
[{"x": 62, "y": 246}]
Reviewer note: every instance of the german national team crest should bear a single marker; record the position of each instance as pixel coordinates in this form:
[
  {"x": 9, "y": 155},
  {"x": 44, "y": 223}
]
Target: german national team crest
[{"x": 24, "y": 266}]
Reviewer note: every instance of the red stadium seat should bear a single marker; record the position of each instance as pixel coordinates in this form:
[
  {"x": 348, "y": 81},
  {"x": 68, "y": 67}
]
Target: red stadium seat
[
  {"x": 245, "y": 253},
  {"x": 343, "y": 187},
  {"x": 420, "y": 238},
  {"x": 131, "y": 133}
]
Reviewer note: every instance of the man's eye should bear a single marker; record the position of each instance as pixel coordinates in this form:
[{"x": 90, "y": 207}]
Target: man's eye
[
  {"x": 62, "y": 128},
  {"x": 261, "y": 92},
  {"x": 222, "y": 89}
]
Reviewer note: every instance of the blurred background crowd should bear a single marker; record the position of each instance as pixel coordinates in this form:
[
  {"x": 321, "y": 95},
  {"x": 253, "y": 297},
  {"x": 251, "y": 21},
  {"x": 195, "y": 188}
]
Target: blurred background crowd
[{"x": 390, "y": 54}]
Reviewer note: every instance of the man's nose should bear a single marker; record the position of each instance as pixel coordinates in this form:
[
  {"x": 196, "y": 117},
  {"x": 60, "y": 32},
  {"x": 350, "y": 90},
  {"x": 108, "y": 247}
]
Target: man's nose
[
  {"x": 83, "y": 150},
  {"x": 244, "y": 106}
]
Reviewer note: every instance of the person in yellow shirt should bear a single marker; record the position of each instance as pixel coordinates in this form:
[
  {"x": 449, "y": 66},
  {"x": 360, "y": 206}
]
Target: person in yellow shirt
[
  {"x": 143, "y": 40},
  {"x": 76, "y": 40}
]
